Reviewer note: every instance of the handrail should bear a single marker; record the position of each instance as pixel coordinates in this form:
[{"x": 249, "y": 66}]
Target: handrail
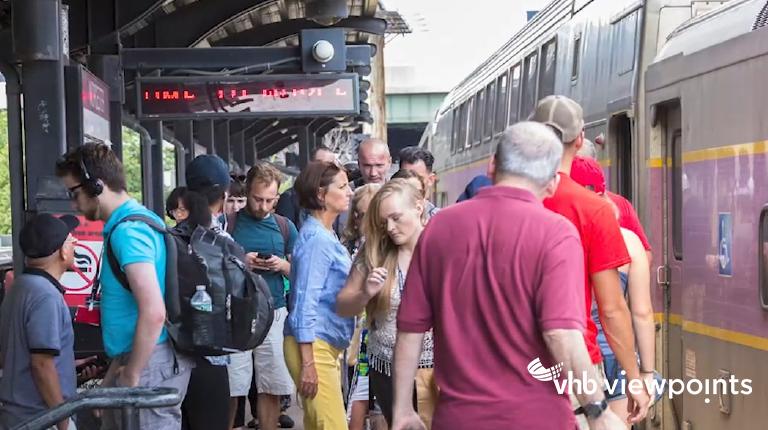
[{"x": 128, "y": 399}]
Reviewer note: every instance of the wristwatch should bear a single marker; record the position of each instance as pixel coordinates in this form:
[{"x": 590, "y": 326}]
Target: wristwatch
[{"x": 593, "y": 410}]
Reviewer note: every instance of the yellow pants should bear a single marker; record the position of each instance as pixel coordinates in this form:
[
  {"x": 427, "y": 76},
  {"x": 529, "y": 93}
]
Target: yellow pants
[{"x": 326, "y": 410}]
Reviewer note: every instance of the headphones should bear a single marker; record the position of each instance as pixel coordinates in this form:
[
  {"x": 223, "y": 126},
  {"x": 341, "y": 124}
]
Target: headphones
[{"x": 93, "y": 187}]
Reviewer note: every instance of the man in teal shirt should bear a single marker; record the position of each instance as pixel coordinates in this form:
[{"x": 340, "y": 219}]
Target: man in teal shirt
[
  {"x": 131, "y": 321},
  {"x": 258, "y": 232}
]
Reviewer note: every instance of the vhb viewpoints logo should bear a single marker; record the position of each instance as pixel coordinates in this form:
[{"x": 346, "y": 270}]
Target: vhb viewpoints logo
[{"x": 543, "y": 374}]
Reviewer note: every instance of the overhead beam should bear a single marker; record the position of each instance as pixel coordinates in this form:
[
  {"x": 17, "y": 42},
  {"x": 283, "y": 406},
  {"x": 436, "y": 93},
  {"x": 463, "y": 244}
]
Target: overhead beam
[
  {"x": 207, "y": 16},
  {"x": 225, "y": 58},
  {"x": 266, "y": 34}
]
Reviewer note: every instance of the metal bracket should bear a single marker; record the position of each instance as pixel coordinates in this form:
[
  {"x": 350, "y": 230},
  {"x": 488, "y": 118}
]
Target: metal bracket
[
  {"x": 725, "y": 395},
  {"x": 665, "y": 281}
]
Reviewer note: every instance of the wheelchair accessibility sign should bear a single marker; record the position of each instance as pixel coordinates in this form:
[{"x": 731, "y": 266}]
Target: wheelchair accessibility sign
[{"x": 724, "y": 244}]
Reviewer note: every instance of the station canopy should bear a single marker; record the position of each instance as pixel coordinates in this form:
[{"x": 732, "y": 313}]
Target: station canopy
[{"x": 100, "y": 27}]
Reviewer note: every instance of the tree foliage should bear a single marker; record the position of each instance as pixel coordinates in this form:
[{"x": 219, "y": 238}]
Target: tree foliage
[
  {"x": 131, "y": 164},
  {"x": 5, "y": 176}
]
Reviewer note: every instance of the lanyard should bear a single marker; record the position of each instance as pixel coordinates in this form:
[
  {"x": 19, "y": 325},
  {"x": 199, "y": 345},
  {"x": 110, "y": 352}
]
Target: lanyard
[{"x": 400, "y": 279}]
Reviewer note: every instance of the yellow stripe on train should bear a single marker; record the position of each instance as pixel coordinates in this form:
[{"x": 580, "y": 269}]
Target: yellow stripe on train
[{"x": 749, "y": 340}]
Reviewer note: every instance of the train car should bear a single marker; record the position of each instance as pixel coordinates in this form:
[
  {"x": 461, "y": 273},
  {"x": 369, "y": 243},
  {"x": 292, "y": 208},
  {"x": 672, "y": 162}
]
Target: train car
[
  {"x": 676, "y": 89},
  {"x": 705, "y": 96}
]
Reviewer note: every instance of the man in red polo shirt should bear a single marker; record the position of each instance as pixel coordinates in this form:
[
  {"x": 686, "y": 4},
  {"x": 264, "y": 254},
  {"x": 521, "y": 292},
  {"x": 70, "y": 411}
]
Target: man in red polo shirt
[
  {"x": 509, "y": 288},
  {"x": 627, "y": 216},
  {"x": 604, "y": 251}
]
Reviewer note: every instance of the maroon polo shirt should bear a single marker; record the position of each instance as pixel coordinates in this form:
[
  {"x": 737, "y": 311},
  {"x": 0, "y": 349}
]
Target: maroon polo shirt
[{"x": 490, "y": 275}]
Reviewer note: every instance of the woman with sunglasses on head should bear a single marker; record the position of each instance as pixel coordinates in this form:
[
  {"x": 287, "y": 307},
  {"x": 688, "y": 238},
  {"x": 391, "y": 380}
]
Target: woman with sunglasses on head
[
  {"x": 393, "y": 224},
  {"x": 314, "y": 335}
]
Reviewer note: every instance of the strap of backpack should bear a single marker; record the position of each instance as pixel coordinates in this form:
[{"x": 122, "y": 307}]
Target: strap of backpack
[
  {"x": 112, "y": 259},
  {"x": 231, "y": 222},
  {"x": 285, "y": 230}
]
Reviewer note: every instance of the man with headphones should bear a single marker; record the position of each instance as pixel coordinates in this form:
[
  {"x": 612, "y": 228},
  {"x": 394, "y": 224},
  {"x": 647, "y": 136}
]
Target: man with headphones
[{"x": 131, "y": 320}]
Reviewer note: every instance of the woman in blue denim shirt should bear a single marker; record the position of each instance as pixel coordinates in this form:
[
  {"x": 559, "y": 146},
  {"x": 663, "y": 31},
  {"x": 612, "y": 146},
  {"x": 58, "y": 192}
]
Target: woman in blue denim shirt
[{"x": 314, "y": 335}]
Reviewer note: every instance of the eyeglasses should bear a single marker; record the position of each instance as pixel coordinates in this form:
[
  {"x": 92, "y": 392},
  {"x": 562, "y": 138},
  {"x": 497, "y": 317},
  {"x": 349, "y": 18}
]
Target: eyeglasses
[{"x": 71, "y": 192}]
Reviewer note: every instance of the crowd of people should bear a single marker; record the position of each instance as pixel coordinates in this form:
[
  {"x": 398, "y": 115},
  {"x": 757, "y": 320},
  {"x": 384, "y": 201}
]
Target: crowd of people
[{"x": 383, "y": 304}]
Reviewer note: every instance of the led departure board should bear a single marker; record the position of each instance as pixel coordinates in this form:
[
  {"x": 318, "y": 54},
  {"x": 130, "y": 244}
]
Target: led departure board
[{"x": 247, "y": 96}]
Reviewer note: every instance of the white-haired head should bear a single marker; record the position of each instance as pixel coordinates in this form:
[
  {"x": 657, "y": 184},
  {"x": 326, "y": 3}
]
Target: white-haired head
[
  {"x": 588, "y": 150},
  {"x": 529, "y": 151}
]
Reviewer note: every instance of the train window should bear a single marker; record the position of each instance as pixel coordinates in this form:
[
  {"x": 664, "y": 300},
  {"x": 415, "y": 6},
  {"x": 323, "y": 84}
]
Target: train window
[
  {"x": 462, "y": 127},
  {"x": 548, "y": 66},
  {"x": 677, "y": 194},
  {"x": 576, "y": 59},
  {"x": 514, "y": 93},
  {"x": 625, "y": 34},
  {"x": 455, "y": 130},
  {"x": 479, "y": 117},
  {"x": 501, "y": 103},
  {"x": 470, "y": 119},
  {"x": 490, "y": 102},
  {"x": 763, "y": 257},
  {"x": 529, "y": 86}
]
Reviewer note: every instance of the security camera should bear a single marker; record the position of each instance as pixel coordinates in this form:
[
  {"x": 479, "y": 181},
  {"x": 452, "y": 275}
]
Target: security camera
[{"x": 323, "y": 51}]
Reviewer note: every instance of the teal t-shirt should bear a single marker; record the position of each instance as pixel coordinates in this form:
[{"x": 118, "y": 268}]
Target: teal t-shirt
[
  {"x": 132, "y": 242},
  {"x": 263, "y": 236}
]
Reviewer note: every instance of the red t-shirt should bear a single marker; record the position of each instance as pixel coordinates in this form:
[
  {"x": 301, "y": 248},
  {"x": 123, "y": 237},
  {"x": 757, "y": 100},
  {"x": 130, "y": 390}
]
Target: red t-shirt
[
  {"x": 490, "y": 292},
  {"x": 628, "y": 218},
  {"x": 601, "y": 238}
]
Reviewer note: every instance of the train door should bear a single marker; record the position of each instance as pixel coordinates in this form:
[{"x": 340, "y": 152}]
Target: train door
[
  {"x": 622, "y": 155},
  {"x": 670, "y": 274}
]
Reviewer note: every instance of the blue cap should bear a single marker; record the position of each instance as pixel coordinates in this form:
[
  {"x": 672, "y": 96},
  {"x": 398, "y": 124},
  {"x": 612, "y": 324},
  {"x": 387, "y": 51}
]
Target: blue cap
[{"x": 210, "y": 167}]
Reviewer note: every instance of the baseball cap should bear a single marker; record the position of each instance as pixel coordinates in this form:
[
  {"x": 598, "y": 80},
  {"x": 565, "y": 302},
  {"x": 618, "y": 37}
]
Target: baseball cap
[
  {"x": 211, "y": 168},
  {"x": 45, "y": 234},
  {"x": 588, "y": 173},
  {"x": 562, "y": 114}
]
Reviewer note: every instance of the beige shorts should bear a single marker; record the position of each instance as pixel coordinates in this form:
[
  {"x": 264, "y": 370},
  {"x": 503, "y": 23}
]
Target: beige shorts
[
  {"x": 272, "y": 375},
  {"x": 240, "y": 370},
  {"x": 581, "y": 419}
]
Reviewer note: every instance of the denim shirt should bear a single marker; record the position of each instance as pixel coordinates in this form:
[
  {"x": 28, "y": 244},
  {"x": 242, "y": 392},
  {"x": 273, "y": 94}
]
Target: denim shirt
[{"x": 319, "y": 268}]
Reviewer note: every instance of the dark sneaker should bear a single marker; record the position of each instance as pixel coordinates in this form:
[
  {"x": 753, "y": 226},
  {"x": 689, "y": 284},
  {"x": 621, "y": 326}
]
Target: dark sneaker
[
  {"x": 285, "y": 422},
  {"x": 253, "y": 424}
]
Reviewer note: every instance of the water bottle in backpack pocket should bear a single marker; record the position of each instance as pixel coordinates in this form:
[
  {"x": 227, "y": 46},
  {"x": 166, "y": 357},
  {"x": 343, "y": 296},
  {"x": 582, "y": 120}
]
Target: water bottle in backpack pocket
[{"x": 214, "y": 304}]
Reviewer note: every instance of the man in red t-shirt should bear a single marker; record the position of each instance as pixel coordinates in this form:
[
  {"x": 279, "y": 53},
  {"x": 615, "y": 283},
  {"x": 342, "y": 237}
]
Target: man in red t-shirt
[
  {"x": 627, "y": 216},
  {"x": 604, "y": 250},
  {"x": 509, "y": 289}
]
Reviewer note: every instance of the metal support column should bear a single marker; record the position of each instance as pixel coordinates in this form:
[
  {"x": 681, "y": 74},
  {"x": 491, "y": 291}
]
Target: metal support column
[
  {"x": 205, "y": 134},
  {"x": 37, "y": 40},
  {"x": 155, "y": 200},
  {"x": 238, "y": 150},
  {"x": 250, "y": 152},
  {"x": 222, "y": 142},
  {"x": 305, "y": 146},
  {"x": 182, "y": 130}
]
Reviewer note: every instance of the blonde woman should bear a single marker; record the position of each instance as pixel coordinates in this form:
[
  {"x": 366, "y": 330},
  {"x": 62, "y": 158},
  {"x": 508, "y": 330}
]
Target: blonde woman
[
  {"x": 393, "y": 224},
  {"x": 353, "y": 238}
]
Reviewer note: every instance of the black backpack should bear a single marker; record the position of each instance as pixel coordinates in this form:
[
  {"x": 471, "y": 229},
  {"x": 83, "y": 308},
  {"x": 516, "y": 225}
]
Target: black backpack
[{"x": 243, "y": 309}]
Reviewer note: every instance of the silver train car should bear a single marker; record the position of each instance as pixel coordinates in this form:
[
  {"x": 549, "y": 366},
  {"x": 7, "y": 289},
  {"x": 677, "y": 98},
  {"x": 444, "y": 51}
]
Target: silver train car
[{"x": 675, "y": 91}]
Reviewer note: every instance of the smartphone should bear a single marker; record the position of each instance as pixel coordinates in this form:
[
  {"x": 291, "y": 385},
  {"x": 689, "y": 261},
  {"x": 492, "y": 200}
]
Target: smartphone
[{"x": 264, "y": 256}]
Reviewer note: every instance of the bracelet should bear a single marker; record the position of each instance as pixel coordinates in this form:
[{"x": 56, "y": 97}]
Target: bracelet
[
  {"x": 645, "y": 371},
  {"x": 308, "y": 364}
]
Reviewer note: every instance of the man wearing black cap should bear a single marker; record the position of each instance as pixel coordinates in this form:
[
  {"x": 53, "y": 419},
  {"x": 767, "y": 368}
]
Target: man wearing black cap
[
  {"x": 36, "y": 334},
  {"x": 131, "y": 318}
]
